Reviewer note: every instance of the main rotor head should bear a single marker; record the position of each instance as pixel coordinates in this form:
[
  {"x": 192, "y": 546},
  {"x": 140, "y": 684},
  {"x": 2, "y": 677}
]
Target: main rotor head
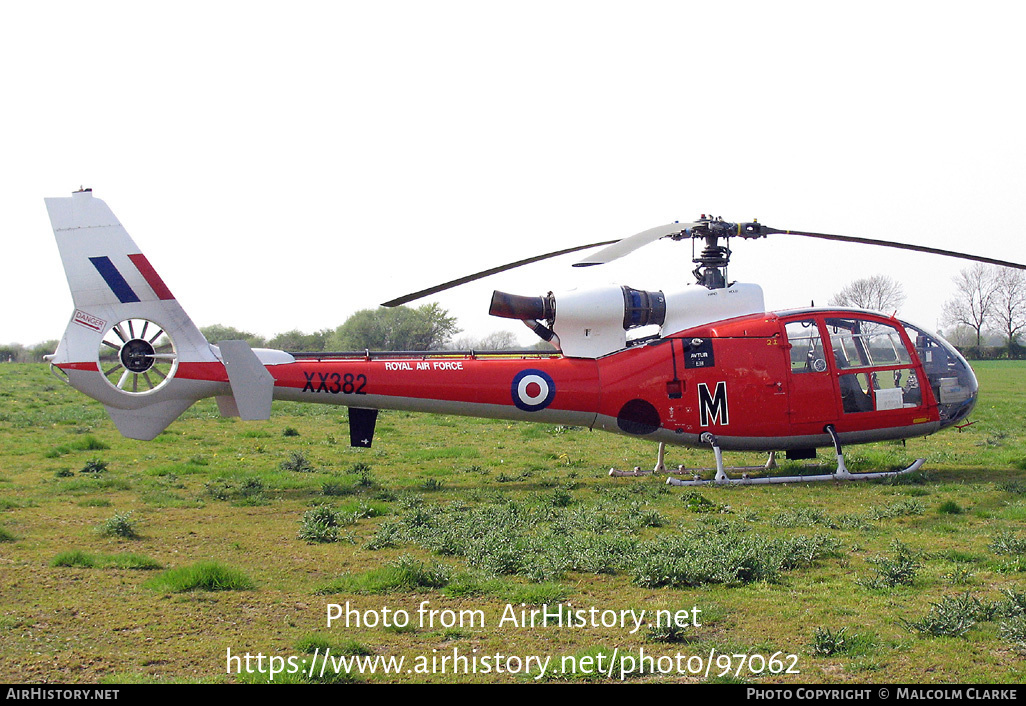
[{"x": 711, "y": 270}]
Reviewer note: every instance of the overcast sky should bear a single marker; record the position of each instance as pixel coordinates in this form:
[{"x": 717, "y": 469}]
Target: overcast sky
[{"x": 283, "y": 166}]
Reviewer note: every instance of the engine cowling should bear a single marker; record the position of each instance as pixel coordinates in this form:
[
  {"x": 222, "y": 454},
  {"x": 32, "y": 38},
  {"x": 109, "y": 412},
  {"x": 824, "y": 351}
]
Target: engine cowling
[{"x": 595, "y": 322}]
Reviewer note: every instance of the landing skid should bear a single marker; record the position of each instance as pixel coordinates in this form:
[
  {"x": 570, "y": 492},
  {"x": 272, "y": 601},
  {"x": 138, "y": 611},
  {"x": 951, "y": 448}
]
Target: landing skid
[{"x": 721, "y": 478}]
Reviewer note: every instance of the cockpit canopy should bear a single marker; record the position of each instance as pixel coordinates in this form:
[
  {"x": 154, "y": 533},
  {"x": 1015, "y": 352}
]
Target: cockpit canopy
[
  {"x": 875, "y": 365},
  {"x": 953, "y": 381}
]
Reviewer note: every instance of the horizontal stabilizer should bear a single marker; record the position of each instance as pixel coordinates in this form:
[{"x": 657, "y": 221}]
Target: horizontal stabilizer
[{"x": 252, "y": 385}]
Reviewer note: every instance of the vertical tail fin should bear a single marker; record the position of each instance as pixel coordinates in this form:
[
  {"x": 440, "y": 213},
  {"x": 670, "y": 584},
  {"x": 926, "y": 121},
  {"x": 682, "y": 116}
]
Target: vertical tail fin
[{"x": 129, "y": 343}]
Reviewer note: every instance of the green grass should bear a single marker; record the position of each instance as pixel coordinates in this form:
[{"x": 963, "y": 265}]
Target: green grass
[
  {"x": 473, "y": 514},
  {"x": 405, "y": 574},
  {"x": 87, "y": 560},
  {"x": 202, "y": 576},
  {"x": 86, "y": 443},
  {"x": 827, "y": 643}
]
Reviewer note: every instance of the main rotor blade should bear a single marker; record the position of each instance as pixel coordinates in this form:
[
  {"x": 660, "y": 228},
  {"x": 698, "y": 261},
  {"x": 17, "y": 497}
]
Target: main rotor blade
[
  {"x": 486, "y": 273},
  {"x": 900, "y": 246},
  {"x": 632, "y": 243}
]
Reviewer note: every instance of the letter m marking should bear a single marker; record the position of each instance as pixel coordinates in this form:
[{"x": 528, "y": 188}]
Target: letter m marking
[{"x": 712, "y": 407}]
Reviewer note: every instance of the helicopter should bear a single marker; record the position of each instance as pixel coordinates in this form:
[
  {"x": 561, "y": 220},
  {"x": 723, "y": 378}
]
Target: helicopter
[{"x": 720, "y": 372}]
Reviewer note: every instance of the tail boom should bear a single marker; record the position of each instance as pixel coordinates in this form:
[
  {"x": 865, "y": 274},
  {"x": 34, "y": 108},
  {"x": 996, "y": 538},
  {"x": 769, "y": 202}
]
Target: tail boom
[{"x": 130, "y": 345}]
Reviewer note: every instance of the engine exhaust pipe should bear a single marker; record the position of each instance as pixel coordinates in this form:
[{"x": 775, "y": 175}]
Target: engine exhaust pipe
[{"x": 514, "y": 306}]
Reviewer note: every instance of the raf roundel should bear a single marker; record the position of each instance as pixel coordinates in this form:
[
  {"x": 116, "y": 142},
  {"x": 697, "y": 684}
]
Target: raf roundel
[{"x": 533, "y": 390}]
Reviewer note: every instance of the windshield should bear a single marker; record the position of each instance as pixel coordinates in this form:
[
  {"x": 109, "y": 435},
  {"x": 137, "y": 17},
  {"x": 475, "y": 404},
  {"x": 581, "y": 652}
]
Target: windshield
[{"x": 952, "y": 380}]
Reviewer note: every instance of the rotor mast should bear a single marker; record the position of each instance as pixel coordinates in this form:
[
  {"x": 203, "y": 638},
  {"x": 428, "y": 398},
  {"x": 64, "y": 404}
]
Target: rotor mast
[{"x": 712, "y": 263}]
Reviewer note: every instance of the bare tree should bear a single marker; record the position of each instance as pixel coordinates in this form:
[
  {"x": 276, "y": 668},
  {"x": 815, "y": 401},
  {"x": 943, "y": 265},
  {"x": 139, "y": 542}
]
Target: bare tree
[
  {"x": 1010, "y": 304},
  {"x": 878, "y": 293},
  {"x": 960, "y": 336},
  {"x": 975, "y": 302}
]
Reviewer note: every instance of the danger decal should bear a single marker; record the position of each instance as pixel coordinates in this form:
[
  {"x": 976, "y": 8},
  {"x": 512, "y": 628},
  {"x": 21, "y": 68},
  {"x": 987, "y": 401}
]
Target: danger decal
[{"x": 89, "y": 321}]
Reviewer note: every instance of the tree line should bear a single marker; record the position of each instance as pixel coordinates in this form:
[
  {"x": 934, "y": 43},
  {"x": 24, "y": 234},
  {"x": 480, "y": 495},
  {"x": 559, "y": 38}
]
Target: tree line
[
  {"x": 984, "y": 318},
  {"x": 425, "y": 328},
  {"x": 401, "y": 328},
  {"x": 17, "y": 353}
]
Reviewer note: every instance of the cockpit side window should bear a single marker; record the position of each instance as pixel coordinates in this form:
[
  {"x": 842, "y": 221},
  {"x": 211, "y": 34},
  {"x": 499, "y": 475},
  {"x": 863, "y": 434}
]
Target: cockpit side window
[
  {"x": 807, "y": 353},
  {"x": 885, "y": 378},
  {"x": 883, "y": 390},
  {"x": 859, "y": 343}
]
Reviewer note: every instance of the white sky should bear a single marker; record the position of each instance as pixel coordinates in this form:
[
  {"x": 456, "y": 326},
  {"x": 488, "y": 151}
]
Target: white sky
[{"x": 283, "y": 166}]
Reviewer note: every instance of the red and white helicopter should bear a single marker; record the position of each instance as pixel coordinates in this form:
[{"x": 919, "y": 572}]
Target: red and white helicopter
[{"x": 720, "y": 372}]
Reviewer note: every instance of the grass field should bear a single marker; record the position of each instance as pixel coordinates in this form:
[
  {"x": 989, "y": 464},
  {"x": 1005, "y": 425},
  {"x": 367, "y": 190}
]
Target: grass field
[{"x": 125, "y": 561}]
